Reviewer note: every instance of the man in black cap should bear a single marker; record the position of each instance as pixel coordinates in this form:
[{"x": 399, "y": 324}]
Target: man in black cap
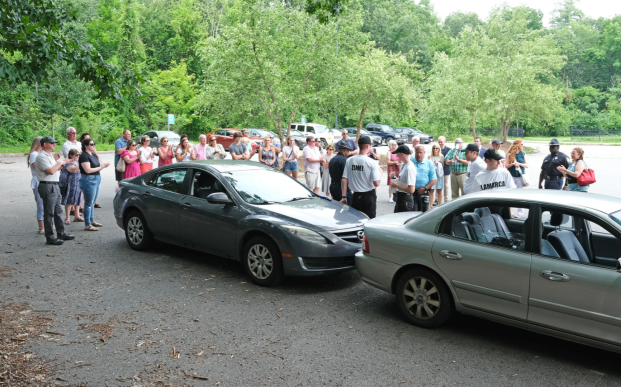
[
  {"x": 475, "y": 167},
  {"x": 362, "y": 175},
  {"x": 406, "y": 184},
  {"x": 549, "y": 169},
  {"x": 494, "y": 176},
  {"x": 48, "y": 173},
  {"x": 336, "y": 168}
]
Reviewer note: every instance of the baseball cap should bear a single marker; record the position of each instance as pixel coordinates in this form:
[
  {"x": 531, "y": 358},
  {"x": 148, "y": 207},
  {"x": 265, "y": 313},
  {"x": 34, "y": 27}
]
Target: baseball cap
[
  {"x": 472, "y": 148},
  {"x": 496, "y": 142},
  {"x": 343, "y": 144},
  {"x": 492, "y": 154},
  {"x": 364, "y": 140},
  {"x": 47, "y": 139},
  {"x": 403, "y": 149}
]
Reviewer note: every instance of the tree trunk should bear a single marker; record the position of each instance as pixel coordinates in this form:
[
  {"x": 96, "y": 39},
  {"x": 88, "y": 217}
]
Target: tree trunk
[
  {"x": 474, "y": 132},
  {"x": 364, "y": 108}
]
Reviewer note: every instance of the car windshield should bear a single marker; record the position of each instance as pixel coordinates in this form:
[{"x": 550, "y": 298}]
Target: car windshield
[
  {"x": 616, "y": 216},
  {"x": 386, "y": 128},
  {"x": 257, "y": 187},
  {"x": 320, "y": 128}
]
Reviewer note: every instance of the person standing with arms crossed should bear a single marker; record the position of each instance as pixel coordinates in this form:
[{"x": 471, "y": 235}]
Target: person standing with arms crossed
[
  {"x": 48, "y": 173},
  {"x": 549, "y": 169},
  {"x": 456, "y": 159},
  {"x": 312, "y": 160},
  {"x": 363, "y": 176}
]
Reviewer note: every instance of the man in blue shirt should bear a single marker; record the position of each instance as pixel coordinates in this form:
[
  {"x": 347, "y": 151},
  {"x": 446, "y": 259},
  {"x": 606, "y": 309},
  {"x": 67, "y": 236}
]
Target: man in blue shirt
[
  {"x": 353, "y": 148},
  {"x": 482, "y": 149},
  {"x": 119, "y": 147},
  {"x": 425, "y": 179}
]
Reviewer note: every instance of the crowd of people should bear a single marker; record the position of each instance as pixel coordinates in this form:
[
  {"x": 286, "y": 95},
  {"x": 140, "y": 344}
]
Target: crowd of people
[{"x": 347, "y": 171}]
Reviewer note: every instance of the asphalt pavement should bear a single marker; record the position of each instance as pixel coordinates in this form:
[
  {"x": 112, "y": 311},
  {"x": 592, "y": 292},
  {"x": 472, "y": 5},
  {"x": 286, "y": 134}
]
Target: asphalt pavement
[{"x": 174, "y": 317}]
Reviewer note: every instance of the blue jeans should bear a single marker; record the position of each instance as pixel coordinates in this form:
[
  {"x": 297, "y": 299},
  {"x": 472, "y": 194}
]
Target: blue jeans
[
  {"x": 291, "y": 166},
  {"x": 89, "y": 185},
  {"x": 553, "y": 184}
]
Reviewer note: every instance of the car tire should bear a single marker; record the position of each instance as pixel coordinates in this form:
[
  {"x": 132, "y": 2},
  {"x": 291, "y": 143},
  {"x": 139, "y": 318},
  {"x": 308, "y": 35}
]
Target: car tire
[
  {"x": 324, "y": 143},
  {"x": 387, "y": 139},
  {"x": 262, "y": 261},
  {"x": 137, "y": 232},
  {"x": 423, "y": 298}
]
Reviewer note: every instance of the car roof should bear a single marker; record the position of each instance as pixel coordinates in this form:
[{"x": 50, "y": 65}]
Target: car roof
[
  {"x": 602, "y": 203},
  {"x": 223, "y": 166}
]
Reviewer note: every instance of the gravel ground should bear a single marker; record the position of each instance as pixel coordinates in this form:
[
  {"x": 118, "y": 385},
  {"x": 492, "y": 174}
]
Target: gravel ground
[{"x": 174, "y": 317}]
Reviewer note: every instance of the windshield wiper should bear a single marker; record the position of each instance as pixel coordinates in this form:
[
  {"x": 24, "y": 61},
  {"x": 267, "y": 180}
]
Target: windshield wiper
[
  {"x": 265, "y": 202},
  {"x": 298, "y": 198}
]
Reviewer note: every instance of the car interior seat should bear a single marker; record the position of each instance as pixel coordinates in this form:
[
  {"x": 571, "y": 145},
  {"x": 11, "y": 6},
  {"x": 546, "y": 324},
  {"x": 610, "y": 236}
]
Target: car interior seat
[
  {"x": 460, "y": 227},
  {"x": 205, "y": 185},
  {"x": 493, "y": 222},
  {"x": 564, "y": 241},
  {"x": 477, "y": 229}
]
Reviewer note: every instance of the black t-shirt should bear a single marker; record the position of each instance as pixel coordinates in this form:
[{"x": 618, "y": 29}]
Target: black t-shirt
[
  {"x": 85, "y": 157},
  {"x": 552, "y": 161},
  {"x": 336, "y": 168}
]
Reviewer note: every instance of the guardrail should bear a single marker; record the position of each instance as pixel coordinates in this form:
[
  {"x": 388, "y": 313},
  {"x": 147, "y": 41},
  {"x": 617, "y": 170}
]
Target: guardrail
[{"x": 596, "y": 134}]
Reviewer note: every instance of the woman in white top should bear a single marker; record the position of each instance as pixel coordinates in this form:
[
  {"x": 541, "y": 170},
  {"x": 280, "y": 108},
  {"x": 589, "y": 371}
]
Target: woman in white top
[
  {"x": 185, "y": 151},
  {"x": 290, "y": 157},
  {"x": 214, "y": 151},
  {"x": 147, "y": 155},
  {"x": 325, "y": 180},
  {"x": 35, "y": 148}
]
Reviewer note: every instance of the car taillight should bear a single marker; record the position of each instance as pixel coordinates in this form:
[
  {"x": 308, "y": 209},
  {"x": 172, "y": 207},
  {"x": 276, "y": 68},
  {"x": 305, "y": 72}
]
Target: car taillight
[{"x": 365, "y": 245}]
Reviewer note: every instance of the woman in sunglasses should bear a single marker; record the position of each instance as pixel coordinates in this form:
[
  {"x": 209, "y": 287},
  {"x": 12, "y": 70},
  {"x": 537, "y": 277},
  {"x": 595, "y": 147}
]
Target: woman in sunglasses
[
  {"x": 131, "y": 156},
  {"x": 165, "y": 152},
  {"x": 89, "y": 182},
  {"x": 147, "y": 154},
  {"x": 214, "y": 151}
]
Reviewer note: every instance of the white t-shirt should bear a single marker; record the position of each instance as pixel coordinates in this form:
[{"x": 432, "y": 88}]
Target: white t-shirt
[
  {"x": 187, "y": 157},
  {"x": 407, "y": 176},
  {"x": 498, "y": 179},
  {"x": 147, "y": 155},
  {"x": 474, "y": 168},
  {"x": 361, "y": 171},
  {"x": 44, "y": 161},
  {"x": 313, "y": 153},
  {"x": 68, "y": 145},
  {"x": 33, "y": 171},
  {"x": 288, "y": 152}
]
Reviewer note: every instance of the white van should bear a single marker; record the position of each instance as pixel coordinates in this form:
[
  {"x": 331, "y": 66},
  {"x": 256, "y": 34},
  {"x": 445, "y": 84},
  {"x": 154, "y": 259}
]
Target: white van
[{"x": 316, "y": 130}]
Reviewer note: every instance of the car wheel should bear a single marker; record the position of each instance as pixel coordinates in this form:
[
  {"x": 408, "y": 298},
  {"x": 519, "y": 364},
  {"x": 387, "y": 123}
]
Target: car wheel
[
  {"x": 423, "y": 298},
  {"x": 387, "y": 139},
  {"x": 262, "y": 261},
  {"x": 324, "y": 143},
  {"x": 137, "y": 233}
]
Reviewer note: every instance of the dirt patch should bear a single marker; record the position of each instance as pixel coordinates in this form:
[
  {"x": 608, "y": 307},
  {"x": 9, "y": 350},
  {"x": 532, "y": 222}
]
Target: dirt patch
[
  {"x": 106, "y": 330},
  {"x": 19, "y": 367},
  {"x": 5, "y": 272}
]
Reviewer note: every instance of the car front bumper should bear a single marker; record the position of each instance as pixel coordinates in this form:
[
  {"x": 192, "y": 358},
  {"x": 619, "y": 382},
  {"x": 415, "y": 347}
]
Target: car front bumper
[{"x": 376, "y": 272}]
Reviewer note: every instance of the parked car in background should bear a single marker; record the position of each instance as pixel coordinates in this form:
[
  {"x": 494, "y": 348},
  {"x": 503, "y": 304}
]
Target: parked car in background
[
  {"x": 316, "y": 130},
  {"x": 353, "y": 132},
  {"x": 156, "y": 135},
  {"x": 338, "y": 134},
  {"x": 225, "y": 138},
  {"x": 546, "y": 261},
  {"x": 425, "y": 138},
  {"x": 225, "y": 208},
  {"x": 261, "y": 133},
  {"x": 299, "y": 137},
  {"x": 386, "y": 133}
]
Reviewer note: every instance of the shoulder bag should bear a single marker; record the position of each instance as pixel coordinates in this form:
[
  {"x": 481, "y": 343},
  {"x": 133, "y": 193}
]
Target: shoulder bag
[
  {"x": 120, "y": 166},
  {"x": 587, "y": 177}
]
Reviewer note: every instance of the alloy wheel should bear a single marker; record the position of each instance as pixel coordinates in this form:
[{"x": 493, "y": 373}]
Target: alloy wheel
[
  {"x": 135, "y": 230},
  {"x": 421, "y": 298},
  {"x": 260, "y": 261}
]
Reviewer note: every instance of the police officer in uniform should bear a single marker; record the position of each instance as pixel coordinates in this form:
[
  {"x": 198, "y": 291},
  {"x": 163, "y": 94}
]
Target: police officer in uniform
[
  {"x": 336, "y": 168},
  {"x": 363, "y": 175},
  {"x": 553, "y": 177}
]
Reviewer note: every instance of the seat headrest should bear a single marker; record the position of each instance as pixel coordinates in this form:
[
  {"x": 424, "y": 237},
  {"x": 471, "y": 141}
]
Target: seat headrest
[
  {"x": 472, "y": 218},
  {"x": 458, "y": 218},
  {"x": 483, "y": 212},
  {"x": 556, "y": 219},
  {"x": 205, "y": 180}
]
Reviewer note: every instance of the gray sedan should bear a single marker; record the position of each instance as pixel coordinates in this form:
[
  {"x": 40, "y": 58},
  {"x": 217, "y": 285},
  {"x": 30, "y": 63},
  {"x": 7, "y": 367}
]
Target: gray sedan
[
  {"x": 243, "y": 211},
  {"x": 541, "y": 260},
  {"x": 156, "y": 135}
]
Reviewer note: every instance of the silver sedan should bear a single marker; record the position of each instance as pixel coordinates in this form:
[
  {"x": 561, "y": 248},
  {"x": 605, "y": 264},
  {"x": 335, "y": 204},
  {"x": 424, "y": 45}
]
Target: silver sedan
[{"x": 546, "y": 261}]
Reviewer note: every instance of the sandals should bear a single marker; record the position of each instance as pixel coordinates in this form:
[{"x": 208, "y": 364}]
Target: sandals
[
  {"x": 96, "y": 224},
  {"x": 90, "y": 228},
  {"x": 67, "y": 222},
  {"x": 78, "y": 219},
  {"x": 97, "y": 205}
]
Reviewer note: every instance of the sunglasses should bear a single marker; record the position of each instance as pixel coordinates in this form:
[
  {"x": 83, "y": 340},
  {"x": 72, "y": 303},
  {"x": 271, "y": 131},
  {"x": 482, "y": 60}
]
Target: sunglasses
[
  {"x": 147, "y": 140},
  {"x": 91, "y": 144},
  {"x": 164, "y": 141},
  {"x": 213, "y": 139}
]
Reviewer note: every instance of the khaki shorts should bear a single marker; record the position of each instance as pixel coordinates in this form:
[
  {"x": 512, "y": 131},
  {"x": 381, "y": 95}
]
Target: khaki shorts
[{"x": 313, "y": 180}]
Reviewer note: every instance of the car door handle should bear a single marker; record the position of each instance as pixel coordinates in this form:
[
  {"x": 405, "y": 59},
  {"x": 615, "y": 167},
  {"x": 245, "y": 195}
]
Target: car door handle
[
  {"x": 554, "y": 276},
  {"x": 186, "y": 206},
  {"x": 147, "y": 193},
  {"x": 450, "y": 255}
]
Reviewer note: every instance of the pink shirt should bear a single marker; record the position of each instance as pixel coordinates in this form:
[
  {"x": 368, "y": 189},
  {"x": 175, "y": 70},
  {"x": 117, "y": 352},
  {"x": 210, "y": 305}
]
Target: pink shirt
[{"x": 199, "y": 152}]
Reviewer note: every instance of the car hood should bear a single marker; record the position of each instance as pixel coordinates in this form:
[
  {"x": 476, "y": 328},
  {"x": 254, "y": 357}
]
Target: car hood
[
  {"x": 318, "y": 214},
  {"x": 397, "y": 219}
]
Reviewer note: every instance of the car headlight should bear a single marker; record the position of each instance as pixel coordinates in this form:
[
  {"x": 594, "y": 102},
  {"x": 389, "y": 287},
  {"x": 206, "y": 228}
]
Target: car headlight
[{"x": 306, "y": 234}]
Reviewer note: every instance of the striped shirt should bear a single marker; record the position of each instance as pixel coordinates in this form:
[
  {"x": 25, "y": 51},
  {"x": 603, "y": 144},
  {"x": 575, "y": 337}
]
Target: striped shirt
[{"x": 457, "y": 167}]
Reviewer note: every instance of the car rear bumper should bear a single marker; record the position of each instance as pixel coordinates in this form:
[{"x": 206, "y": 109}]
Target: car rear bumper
[
  {"x": 400, "y": 140},
  {"x": 376, "y": 272}
]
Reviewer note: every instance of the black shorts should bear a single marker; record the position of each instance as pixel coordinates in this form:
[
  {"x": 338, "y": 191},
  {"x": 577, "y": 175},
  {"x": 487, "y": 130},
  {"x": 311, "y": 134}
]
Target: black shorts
[
  {"x": 365, "y": 202},
  {"x": 119, "y": 175},
  {"x": 404, "y": 202}
]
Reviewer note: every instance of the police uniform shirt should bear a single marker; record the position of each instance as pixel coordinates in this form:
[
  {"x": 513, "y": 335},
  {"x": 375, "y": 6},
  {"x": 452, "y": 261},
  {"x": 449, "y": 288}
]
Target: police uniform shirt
[
  {"x": 498, "y": 179},
  {"x": 407, "y": 176},
  {"x": 474, "y": 168},
  {"x": 336, "y": 168},
  {"x": 361, "y": 172},
  {"x": 551, "y": 162}
]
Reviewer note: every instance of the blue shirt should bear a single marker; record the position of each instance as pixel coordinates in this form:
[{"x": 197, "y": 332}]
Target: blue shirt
[
  {"x": 447, "y": 169},
  {"x": 120, "y": 143},
  {"x": 352, "y": 145},
  {"x": 425, "y": 172},
  {"x": 482, "y": 151}
]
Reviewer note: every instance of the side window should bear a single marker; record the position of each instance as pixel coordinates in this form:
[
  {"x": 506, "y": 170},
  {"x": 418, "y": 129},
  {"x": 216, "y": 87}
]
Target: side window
[
  {"x": 310, "y": 129},
  {"x": 151, "y": 134},
  {"x": 219, "y": 132},
  {"x": 169, "y": 181},
  {"x": 560, "y": 238},
  {"x": 205, "y": 184},
  {"x": 492, "y": 225},
  {"x": 567, "y": 222},
  {"x": 301, "y": 128},
  {"x": 596, "y": 228}
]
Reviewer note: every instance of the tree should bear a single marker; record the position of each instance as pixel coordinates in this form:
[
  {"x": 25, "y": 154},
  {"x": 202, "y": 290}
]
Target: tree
[
  {"x": 32, "y": 43},
  {"x": 457, "y": 21},
  {"x": 566, "y": 14}
]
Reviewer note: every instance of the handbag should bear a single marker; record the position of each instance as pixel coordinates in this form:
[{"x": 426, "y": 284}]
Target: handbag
[
  {"x": 439, "y": 170},
  {"x": 525, "y": 180},
  {"x": 63, "y": 188},
  {"x": 120, "y": 166},
  {"x": 587, "y": 177}
]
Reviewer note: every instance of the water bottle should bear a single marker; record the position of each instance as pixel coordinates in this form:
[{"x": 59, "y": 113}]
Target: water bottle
[
  {"x": 393, "y": 189},
  {"x": 425, "y": 202}
]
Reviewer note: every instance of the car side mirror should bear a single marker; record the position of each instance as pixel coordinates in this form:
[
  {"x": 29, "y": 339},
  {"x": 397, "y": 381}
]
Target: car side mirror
[{"x": 219, "y": 198}]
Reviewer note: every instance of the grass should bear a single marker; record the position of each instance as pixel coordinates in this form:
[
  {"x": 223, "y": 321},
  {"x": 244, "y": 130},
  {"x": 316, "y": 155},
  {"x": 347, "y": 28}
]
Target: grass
[
  {"x": 26, "y": 147},
  {"x": 606, "y": 139}
]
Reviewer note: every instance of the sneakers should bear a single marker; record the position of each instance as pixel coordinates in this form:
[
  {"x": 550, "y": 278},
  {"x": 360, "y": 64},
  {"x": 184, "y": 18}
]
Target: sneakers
[{"x": 390, "y": 200}]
